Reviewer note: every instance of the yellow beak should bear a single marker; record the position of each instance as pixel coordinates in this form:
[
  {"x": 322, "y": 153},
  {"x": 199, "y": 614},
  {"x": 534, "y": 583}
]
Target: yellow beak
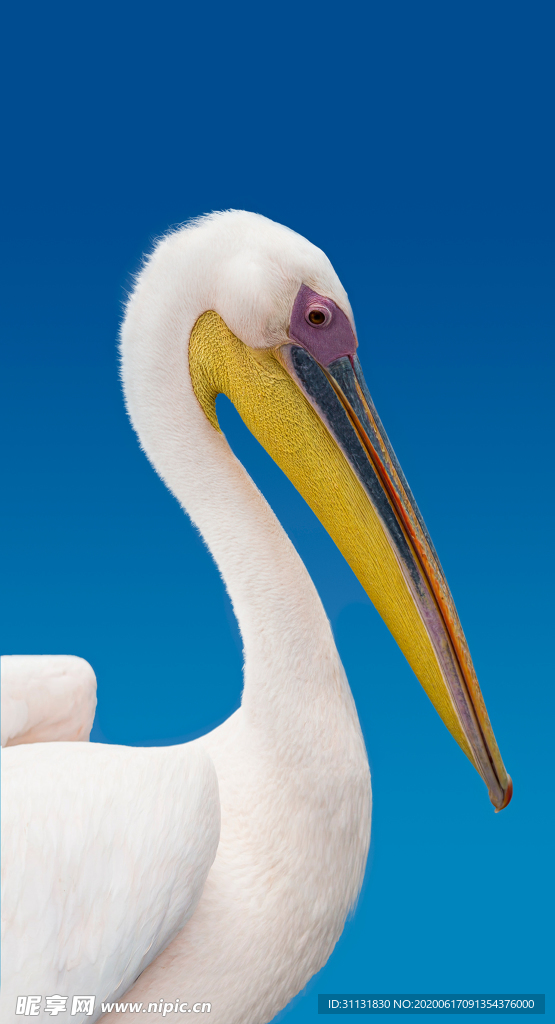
[{"x": 321, "y": 428}]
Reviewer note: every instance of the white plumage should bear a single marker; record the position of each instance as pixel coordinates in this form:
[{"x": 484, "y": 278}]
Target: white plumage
[
  {"x": 46, "y": 697},
  {"x": 106, "y": 871},
  {"x": 108, "y": 849}
]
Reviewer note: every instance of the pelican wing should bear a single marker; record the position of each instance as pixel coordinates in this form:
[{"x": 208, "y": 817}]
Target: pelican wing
[
  {"x": 46, "y": 697},
  {"x": 105, "y": 853}
]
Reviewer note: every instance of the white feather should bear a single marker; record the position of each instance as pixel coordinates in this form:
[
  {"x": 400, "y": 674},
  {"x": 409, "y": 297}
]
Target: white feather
[
  {"x": 46, "y": 697},
  {"x": 107, "y": 850}
]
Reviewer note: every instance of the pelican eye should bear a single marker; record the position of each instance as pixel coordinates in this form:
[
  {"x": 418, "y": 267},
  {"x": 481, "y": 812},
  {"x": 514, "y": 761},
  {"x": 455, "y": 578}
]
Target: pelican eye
[{"x": 318, "y": 316}]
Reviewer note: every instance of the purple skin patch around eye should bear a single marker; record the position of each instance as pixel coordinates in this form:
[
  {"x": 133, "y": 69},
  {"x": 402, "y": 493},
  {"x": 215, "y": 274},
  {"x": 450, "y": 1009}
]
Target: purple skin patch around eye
[{"x": 327, "y": 341}]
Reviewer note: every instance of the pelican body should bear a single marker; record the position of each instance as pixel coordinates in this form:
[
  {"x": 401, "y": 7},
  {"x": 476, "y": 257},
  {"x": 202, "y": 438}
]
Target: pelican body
[{"x": 239, "y": 894}]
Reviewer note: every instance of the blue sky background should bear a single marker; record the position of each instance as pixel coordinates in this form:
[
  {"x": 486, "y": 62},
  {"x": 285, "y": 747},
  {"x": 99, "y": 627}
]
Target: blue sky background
[{"x": 414, "y": 144}]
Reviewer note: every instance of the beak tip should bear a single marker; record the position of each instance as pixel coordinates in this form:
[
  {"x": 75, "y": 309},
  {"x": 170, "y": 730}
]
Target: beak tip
[{"x": 507, "y": 797}]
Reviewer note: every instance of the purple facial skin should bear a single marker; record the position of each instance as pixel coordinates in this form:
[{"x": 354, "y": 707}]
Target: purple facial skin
[{"x": 326, "y": 341}]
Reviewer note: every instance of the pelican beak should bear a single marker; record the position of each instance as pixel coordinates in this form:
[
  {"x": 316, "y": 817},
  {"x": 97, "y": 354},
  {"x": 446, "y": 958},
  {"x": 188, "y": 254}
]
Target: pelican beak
[
  {"x": 318, "y": 422},
  {"x": 340, "y": 397}
]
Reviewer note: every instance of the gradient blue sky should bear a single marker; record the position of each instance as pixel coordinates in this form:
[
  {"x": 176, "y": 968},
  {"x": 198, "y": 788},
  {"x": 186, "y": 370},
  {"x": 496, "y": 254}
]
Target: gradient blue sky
[{"x": 414, "y": 144}]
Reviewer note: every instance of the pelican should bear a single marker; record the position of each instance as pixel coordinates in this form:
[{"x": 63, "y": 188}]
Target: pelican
[{"x": 221, "y": 871}]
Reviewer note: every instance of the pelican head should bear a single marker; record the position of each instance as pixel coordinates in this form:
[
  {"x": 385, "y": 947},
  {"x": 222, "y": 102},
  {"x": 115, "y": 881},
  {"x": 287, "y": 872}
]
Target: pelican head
[{"x": 244, "y": 307}]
